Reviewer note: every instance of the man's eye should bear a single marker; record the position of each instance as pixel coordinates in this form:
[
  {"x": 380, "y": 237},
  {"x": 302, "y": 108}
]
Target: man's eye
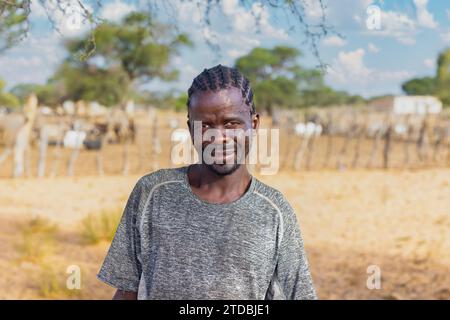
[
  {"x": 233, "y": 123},
  {"x": 205, "y": 126}
]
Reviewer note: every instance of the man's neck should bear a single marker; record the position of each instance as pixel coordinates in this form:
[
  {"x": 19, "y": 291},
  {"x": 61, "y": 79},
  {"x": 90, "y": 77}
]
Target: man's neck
[{"x": 202, "y": 178}]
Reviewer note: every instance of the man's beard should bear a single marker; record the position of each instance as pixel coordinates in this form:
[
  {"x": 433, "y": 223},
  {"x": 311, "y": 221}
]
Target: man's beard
[{"x": 224, "y": 169}]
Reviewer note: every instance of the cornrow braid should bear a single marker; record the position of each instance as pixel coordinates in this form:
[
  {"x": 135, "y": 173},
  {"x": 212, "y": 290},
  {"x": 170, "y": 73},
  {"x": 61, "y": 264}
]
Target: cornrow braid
[{"x": 222, "y": 77}]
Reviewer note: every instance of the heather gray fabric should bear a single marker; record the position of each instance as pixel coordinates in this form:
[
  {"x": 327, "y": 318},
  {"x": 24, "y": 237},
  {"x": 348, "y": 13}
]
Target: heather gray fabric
[{"x": 170, "y": 244}]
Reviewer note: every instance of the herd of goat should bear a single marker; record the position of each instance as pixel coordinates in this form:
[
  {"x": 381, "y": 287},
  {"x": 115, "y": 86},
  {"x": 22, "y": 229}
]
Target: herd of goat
[{"x": 78, "y": 126}]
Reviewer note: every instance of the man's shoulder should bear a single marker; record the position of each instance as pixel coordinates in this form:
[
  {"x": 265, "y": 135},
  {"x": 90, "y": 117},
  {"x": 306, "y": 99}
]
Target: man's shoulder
[
  {"x": 161, "y": 176},
  {"x": 271, "y": 195},
  {"x": 276, "y": 202}
]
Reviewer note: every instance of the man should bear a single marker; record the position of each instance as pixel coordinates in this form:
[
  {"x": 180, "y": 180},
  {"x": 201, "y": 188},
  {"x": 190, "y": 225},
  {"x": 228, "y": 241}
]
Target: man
[{"x": 210, "y": 230}]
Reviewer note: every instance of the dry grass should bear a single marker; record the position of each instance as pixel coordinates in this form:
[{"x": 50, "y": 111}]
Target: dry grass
[
  {"x": 397, "y": 220},
  {"x": 37, "y": 239},
  {"x": 51, "y": 283},
  {"x": 102, "y": 226},
  {"x": 36, "y": 249}
]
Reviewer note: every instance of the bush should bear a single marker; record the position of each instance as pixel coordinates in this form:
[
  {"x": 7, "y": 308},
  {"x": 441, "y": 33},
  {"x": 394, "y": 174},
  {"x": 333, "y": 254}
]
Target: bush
[
  {"x": 37, "y": 239},
  {"x": 100, "y": 227}
]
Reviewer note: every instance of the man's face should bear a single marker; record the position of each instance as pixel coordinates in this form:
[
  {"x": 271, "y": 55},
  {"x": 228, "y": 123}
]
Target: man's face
[{"x": 224, "y": 118}]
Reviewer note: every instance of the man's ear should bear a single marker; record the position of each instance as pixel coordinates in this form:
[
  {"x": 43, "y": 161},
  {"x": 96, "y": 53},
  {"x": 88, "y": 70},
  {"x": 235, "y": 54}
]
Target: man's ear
[
  {"x": 255, "y": 121},
  {"x": 188, "y": 124}
]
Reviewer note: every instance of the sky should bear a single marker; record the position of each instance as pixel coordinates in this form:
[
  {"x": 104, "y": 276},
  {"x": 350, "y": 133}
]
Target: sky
[{"x": 378, "y": 45}]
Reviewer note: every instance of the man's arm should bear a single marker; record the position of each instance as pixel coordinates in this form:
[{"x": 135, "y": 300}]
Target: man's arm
[
  {"x": 293, "y": 277},
  {"x": 125, "y": 295},
  {"x": 121, "y": 267}
]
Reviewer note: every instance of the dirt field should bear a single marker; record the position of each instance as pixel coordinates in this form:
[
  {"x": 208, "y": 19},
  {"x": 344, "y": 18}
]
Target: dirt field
[{"x": 396, "y": 220}]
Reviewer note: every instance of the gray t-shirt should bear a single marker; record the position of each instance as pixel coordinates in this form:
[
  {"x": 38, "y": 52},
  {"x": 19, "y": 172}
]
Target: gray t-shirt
[{"x": 170, "y": 244}]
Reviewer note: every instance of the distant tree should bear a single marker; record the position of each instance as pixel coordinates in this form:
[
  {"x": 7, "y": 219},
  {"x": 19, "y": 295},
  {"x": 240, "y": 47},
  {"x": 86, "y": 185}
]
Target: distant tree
[
  {"x": 126, "y": 55},
  {"x": 7, "y": 99},
  {"x": 168, "y": 100},
  {"x": 106, "y": 86},
  {"x": 13, "y": 22},
  {"x": 274, "y": 74},
  {"x": 443, "y": 77},
  {"x": 325, "y": 96},
  {"x": 279, "y": 81},
  {"x": 47, "y": 94},
  {"x": 180, "y": 102},
  {"x": 420, "y": 86},
  {"x": 438, "y": 86}
]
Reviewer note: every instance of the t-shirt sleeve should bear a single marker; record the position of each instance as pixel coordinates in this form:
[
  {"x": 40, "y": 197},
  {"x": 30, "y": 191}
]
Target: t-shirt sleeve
[
  {"x": 121, "y": 267},
  {"x": 292, "y": 279}
]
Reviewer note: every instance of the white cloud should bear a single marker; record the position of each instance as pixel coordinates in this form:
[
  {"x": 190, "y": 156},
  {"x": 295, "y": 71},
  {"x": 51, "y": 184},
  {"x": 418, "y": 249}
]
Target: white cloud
[
  {"x": 236, "y": 30},
  {"x": 409, "y": 41},
  {"x": 424, "y": 17},
  {"x": 349, "y": 65},
  {"x": 37, "y": 10},
  {"x": 242, "y": 33},
  {"x": 373, "y": 48},
  {"x": 114, "y": 11},
  {"x": 313, "y": 10},
  {"x": 400, "y": 26},
  {"x": 429, "y": 63},
  {"x": 189, "y": 72},
  {"x": 349, "y": 68},
  {"x": 236, "y": 35},
  {"x": 342, "y": 14},
  {"x": 334, "y": 41},
  {"x": 352, "y": 15},
  {"x": 245, "y": 45},
  {"x": 445, "y": 36},
  {"x": 210, "y": 35},
  {"x": 249, "y": 21},
  {"x": 69, "y": 17},
  {"x": 228, "y": 6},
  {"x": 233, "y": 53},
  {"x": 395, "y": 25},
  {"x": 31, "y": 61}
]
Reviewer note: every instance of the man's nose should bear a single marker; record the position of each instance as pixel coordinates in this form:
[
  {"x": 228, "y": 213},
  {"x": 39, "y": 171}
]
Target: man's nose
[{"x": 222, "y": 136}]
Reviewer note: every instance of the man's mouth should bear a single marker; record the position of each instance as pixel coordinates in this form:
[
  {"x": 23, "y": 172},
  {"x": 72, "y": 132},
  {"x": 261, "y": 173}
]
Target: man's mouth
[
  {"x": 223, "y": 153},
  {"x": 222, "y": 156},
  {"x": 225, "y": 156}
]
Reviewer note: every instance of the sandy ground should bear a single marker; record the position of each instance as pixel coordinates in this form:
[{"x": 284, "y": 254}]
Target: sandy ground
[{"x": 396, "y": 220}]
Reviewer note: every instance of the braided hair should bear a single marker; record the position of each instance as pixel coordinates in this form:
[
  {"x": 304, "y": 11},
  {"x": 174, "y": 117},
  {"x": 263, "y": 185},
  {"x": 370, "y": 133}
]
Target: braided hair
[{"x": 221, "y": 77}]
